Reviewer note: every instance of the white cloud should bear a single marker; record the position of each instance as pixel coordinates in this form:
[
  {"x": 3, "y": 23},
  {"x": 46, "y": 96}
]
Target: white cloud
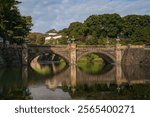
[{"x": 59, "y": 14}]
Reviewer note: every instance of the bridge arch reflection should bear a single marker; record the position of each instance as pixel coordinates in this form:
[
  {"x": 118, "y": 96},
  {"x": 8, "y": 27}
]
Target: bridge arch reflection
[{"x": 48, "y": 65}]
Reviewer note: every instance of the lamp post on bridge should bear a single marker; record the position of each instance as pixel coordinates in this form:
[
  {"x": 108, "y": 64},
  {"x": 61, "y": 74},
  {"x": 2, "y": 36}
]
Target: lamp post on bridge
[
  {"x": 72, "y": 48},
  {"x": 68, "y": 41},
  {"x": 71, "y": 41}
]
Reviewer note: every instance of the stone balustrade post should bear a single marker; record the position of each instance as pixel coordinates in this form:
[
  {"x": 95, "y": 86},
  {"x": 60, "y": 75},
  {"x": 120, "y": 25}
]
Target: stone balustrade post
[
  {"x": 118, "y": 64},
  {"x": 118, "y": 54},
  {"x": 73, "y": 57}
]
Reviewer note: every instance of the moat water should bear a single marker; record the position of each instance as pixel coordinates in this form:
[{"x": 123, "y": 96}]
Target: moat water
[{"x": 54, "y": 81}]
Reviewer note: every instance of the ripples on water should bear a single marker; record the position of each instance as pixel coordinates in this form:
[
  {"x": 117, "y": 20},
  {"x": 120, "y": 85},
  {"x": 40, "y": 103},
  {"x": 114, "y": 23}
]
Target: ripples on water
[{"x": 55, "y": 82}]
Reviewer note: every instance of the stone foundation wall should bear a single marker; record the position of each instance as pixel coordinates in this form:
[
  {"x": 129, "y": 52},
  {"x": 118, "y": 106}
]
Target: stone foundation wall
[
  {"x": 10, "y": 56},
  {"x": 146, "y": 57},
  {"x": 2, "y": 62},
  {"x": 136, "y": 56}
]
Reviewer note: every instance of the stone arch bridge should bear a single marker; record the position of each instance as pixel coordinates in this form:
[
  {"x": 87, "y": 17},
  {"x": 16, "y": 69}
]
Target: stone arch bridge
[
  {"x": 118, "y": 54},
  {"x": 72, "y": 53}
]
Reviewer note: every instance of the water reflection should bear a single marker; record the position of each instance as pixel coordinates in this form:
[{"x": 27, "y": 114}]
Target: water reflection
[
  {"x": 46, "y": 67},
  {"x": 92, "y": 64},
  {"x": 115, "y": 82},
  {"x": 137, "y": 73},
  {"x": 13, "y": 85}
]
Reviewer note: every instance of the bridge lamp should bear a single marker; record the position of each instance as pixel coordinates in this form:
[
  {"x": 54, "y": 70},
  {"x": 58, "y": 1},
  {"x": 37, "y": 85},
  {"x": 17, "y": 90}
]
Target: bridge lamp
[
  {"x": 68, "y": 41},
  {"x": 72, "y": 39}
]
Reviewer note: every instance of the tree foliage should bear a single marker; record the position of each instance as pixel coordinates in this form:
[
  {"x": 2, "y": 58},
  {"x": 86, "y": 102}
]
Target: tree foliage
[
  {"x": 36, "y": 38},
  {"x": 52, "y": 31},
  {"x": 13, "y": 26},
  {"x": 98, "y": 29}
]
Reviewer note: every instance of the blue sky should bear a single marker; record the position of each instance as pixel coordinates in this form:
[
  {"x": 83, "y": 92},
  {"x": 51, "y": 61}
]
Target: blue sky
[{"x": 58, "y": 14}]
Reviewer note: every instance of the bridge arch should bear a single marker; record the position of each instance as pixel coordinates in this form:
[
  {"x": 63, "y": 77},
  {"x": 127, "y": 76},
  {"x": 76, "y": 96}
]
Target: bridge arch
[
  {"x": 33, "y": 56},
  {"x": 63, "y": 56},
  {"x": 108, "y": 58},
  {"x": 36, "y": 50}
]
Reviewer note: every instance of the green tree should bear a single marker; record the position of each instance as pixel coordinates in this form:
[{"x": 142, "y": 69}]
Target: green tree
[
  {"x": 36, "y": 38},
  {"x": 133, "y": 23},
  {"x": 13, "y": 26},
  {"x": 76, "y": 29},
  {"x": 141, "y": 36},
  {"x": 91, "y": 40},
  {"x": 106, "y": 25},
  {"x": 64, "y": 32},
  {"x": 52, "y": 31},
  {"x": 63, "y": 40},
  {"x": 97, "y": 29},
  {"x": 31, "y": 38},
  {"x": 40, "y": 41}
]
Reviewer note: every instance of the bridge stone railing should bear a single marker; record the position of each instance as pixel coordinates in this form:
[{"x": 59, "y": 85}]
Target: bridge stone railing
[
  {"x": 58, "y": 46},
  {"x": 95, "y": 46}
]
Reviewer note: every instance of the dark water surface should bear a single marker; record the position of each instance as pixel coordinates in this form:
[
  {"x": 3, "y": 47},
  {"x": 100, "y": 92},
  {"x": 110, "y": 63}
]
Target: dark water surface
[{"x": 59, "y": 82}]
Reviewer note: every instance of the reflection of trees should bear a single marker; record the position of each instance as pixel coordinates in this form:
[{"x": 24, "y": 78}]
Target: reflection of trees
[
  {"x": 91, "y": 68},
  {"x": 47, "y": 68},
  {"x": 41, "y": 69},
  {"x": 106, "y": 76},
  {"x": 141, "y": 91},
  {"x": 36, "y": 77},
  {"x": 91, "y": 64},
  {"x": 12, "y": 86},
  {"x": 1, "y": 72},
  {"x": 107, "y": 92},
  {"x": 95, "y": 68}
]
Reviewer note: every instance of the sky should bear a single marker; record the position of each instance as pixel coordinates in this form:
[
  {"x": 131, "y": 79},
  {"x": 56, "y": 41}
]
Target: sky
[{"x": 58, "y": 14}]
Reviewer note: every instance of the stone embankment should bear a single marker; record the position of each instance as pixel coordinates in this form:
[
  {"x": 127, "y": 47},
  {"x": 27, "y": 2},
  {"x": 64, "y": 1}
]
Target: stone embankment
[
  {"x": 10, "y": 56},
  {"x": 136, "y": 55}
]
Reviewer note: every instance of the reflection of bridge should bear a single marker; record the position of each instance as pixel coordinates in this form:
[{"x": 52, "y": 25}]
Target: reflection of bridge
[
  {"x": 110, "y": 77},
  {"x": 113, "y": 75}
]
